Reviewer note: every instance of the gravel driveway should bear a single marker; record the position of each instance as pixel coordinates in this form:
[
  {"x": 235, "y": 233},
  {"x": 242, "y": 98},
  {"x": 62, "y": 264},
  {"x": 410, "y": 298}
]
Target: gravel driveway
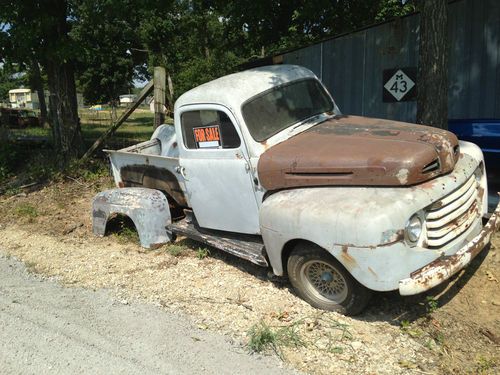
[{"x": 47, "y": 328}]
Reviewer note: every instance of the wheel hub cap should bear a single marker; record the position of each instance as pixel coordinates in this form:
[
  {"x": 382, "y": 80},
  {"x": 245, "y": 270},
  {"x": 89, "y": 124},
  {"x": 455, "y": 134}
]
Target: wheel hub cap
[
  {"x": 325, "y": 281},
  {"x": 326, "y": 277}
]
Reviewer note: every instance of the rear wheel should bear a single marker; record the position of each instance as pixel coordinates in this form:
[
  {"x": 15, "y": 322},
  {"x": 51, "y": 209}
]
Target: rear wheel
[{"x": 322, "y": 281}]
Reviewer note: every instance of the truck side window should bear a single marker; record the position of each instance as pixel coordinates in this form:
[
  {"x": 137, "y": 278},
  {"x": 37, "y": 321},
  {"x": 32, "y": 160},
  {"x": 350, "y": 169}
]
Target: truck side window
[{"x": 208, "y": 129}]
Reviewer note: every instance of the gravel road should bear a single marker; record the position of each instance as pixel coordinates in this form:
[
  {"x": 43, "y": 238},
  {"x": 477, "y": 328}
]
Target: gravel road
[{"x": 47, "y": 328}]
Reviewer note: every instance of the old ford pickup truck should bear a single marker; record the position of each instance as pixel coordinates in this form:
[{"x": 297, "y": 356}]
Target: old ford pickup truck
[{"x": 262, "y": 164}]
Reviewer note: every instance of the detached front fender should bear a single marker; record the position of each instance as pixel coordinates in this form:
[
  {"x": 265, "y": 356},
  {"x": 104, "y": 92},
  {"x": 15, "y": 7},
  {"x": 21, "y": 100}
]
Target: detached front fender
[{"x": 147, "y": 208}]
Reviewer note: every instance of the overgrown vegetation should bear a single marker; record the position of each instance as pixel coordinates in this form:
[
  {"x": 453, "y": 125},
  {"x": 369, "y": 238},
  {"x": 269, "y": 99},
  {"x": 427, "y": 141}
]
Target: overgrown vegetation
[{"x": 22, "y": 166}]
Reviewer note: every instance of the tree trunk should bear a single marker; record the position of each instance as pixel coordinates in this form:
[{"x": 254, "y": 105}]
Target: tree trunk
[
  {"x": 58, "y": 60},
  {"x": 4, "y": 127},
  {"x": 64, "y": 110},
  {"x": 432, "y": 93},
  {"x": 38, "y": 85}
]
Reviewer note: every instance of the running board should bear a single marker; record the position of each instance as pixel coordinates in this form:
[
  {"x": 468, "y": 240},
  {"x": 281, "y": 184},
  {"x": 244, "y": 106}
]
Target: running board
[{"x": 242, "y": 245}]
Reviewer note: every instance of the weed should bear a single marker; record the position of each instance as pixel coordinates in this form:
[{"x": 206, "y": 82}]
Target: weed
[
  {"x": 405, "y": 325},
  {"x": 128, "y": 235},
  {"x": 26, "y": 210},
  {"x": 429, "y": 344},
  {"x": 8, "y": 156},
  {"x": 123, "y": 228},
  {"x": 175, "y": 250},
  {"x": 263, "y": 337},
  {"x": 406, "y": 328},
  {"x": 89, "y": 170},
  {"x": 336, "y": 350},
  {"x": 431, "y": 305},
  {"x": 30, "y": 266},
  {"x": 485, "y": 365},
  {"x": 12, "y": 191},
  {"x": 438, "y": 338},
  {"x": 202, "y": 253},
  {"x": 407, "y": 364}
]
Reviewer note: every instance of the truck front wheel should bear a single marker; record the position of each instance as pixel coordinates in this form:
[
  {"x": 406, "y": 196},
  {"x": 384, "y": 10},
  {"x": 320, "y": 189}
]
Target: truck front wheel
[{"x": 322, "y": 281}]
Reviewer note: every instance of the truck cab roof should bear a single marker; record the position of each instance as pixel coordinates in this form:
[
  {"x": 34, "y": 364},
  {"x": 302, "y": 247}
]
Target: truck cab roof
[{"x": 235, "y": 89}]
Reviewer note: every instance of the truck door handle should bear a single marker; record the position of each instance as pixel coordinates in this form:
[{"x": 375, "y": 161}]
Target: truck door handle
[{"x": 181, "y": 171}]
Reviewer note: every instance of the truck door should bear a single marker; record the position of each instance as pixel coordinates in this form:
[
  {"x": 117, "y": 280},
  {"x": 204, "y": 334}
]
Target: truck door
[{"x": 214, "y": 163}]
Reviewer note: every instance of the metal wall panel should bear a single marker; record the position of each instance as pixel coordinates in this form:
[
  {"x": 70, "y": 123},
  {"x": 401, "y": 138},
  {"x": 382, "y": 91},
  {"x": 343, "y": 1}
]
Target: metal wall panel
[
  {"x": 351, "y": 66},
  {"x": 309, "y": 57}
]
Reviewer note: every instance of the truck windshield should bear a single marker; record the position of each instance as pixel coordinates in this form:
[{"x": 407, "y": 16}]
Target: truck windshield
[{"x": 277, "y": 109}]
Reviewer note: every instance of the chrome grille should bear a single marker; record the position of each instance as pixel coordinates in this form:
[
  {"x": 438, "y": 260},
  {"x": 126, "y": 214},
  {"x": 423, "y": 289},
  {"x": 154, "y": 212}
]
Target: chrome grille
[{"x": 449, "y": 217}]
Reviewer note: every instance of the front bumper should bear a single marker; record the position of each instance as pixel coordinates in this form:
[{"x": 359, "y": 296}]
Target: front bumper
[{"x": 443, "y": 268}]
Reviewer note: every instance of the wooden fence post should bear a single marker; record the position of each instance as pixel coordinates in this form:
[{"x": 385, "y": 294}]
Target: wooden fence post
[
  {"x": 145, "y": 92},
  {"x": 159, "y": 79}
]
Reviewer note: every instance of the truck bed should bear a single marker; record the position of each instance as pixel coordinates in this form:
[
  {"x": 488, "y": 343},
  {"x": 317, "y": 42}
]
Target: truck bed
[{"x": 152, "y": 164}]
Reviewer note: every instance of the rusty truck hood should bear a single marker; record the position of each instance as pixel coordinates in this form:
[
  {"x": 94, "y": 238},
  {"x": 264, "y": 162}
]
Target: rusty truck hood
[{"x": 352, "y": 150}]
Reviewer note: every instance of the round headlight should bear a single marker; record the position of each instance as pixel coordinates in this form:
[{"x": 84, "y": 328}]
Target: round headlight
[{"x": 414, "y": 228}]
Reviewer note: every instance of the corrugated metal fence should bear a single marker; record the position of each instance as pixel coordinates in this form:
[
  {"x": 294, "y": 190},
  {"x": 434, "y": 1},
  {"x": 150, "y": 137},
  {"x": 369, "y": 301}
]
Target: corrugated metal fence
[{"x": 351, "y": 66}]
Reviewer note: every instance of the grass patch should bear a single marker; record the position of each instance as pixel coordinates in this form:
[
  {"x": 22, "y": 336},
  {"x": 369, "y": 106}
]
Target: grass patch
[
  {"x": 175, "y": 250},
  {"x": 126, "y": 235},
  {"x": 26, "y": 210},
  {"x": 123, "y": 228}
]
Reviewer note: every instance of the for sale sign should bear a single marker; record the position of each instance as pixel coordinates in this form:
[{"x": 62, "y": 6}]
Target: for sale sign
[
  {"x": 207, "y": 136},
  {"x": 400, "y": 84}
]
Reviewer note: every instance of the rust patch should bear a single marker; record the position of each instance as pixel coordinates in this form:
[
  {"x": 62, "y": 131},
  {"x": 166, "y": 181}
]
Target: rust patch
[
  {"x": 445, "y": 265},
  {"x": 351, "y": 150},
  {"x": 390, "y": 237},
  {"x": 480, "y": 191},
  {"x": 349, "y": 261}
]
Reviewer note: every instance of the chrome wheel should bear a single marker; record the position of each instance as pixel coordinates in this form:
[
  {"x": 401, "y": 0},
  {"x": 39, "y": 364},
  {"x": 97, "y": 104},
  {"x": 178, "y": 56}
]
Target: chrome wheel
[{"x": 324, "y": 281}]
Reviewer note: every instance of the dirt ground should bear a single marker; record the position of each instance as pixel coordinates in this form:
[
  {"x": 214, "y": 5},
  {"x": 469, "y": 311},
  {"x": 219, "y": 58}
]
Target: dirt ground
[{"x": 454, "y": 329}]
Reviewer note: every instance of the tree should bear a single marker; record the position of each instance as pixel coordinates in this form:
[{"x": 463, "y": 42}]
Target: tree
[
  {"x": 106, "y": 32},
  {"x": 271, "y": 27},
  {"x": 432, "y": 94},
  {"x": 189, "y": 39}
]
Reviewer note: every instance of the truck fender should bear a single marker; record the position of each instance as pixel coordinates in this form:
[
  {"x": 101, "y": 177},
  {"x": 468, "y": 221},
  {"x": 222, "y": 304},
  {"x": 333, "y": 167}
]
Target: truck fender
[{"x": 147, "y": 208}]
